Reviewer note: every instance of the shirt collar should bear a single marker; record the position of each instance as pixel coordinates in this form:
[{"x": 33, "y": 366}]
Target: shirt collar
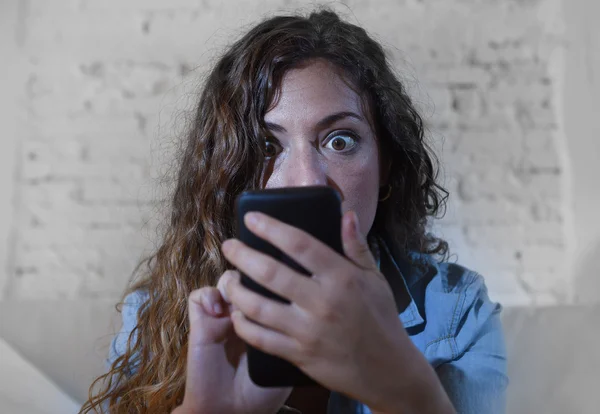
[{"x": 408, "y": 311}]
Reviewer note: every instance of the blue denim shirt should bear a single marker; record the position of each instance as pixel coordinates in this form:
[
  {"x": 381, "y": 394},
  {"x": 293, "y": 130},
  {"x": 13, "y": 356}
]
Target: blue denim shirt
[
  {"x": 446, "y": 312},
  {"x": 448, "y": 315}
]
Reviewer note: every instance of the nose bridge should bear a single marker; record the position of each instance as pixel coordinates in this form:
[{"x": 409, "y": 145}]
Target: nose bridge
[{"x": 305, "y": 166}]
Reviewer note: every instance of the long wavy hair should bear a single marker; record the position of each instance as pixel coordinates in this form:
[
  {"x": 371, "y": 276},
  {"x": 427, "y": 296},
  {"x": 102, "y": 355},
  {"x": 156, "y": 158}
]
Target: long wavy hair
[{"x": 223, "y": 155}]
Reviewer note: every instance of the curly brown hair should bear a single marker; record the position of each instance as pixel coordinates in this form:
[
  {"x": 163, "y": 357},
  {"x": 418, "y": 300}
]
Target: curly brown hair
[{"x": 223, "y": 155}]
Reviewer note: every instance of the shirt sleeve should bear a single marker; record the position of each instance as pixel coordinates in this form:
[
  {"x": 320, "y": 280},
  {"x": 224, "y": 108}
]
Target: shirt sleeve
[
  {"x": 118, "y": 345},
  {"x": 129, "y": 312},
  {"x": 476, "y": 379}
]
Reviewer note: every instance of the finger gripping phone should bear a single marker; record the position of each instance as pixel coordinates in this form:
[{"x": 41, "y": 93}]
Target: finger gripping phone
[{"x": 317, "y": 211}]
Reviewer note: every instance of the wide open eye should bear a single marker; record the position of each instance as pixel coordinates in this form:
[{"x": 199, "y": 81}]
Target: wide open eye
[
  {"x": 270, "y": 147},
  {"x": 340, "y": 140}
]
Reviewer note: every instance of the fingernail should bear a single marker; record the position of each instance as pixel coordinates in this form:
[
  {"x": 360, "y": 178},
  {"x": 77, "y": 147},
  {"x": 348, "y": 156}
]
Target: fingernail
[
  {"x": 226, "y": 245},
  {"x": 217, "y": 308},
  {"x": 251, "y": 218},
  {"x": 356, "y": 224}
]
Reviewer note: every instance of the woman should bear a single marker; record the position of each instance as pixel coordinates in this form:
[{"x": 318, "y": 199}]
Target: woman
[{"x": 390, "y": 328}]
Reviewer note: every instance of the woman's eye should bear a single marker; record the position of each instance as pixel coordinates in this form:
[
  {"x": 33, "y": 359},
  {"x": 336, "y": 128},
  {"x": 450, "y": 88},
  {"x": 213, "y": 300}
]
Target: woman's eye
[
  {"x": 269, "y": 149},
  {"x": 340, "y": 141}
]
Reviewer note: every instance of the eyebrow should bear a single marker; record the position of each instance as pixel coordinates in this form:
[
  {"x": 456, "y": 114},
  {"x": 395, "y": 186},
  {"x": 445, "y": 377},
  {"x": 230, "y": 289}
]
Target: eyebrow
[{"x": 323, "y": 123}]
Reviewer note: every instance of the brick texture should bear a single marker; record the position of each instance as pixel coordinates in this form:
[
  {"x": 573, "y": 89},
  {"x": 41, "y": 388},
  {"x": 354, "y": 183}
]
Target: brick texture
[{"x": 108, "y": 84}]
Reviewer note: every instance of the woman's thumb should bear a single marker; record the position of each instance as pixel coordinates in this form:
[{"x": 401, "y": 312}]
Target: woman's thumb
[
  {"x": 355, "y": 243},
  {"x": 209, "y": 320}
]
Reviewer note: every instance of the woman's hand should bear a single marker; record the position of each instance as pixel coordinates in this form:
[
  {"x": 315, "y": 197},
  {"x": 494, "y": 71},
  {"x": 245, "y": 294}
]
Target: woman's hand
[
  {"x": 217, "y": 379},
  {"x": 342, "y": 327}
]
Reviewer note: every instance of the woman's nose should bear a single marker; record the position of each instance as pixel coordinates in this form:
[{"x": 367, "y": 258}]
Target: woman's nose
[{"x": 306, "y": 169}]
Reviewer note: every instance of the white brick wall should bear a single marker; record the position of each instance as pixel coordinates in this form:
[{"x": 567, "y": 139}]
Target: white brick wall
[{"x": 104, "y": 83}]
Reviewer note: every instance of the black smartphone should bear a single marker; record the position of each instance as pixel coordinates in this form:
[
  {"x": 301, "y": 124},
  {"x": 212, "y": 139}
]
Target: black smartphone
[{"x": 316, "y": 210}]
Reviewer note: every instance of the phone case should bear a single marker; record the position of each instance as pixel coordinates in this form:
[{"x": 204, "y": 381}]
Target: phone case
[{"x": 314, "y": 209}]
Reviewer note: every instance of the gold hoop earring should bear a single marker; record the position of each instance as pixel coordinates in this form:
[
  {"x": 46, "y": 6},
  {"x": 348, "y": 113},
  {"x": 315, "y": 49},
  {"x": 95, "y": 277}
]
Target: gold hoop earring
[{"x": 388, "y": 193}]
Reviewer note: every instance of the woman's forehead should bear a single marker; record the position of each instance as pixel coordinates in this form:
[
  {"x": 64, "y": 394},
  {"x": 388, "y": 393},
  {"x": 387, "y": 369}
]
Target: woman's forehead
[{"x": 315, "y": 89}]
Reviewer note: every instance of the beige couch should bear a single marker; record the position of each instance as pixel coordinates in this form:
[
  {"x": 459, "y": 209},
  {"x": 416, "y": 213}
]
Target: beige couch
[{"x": 554, "y": 353}]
